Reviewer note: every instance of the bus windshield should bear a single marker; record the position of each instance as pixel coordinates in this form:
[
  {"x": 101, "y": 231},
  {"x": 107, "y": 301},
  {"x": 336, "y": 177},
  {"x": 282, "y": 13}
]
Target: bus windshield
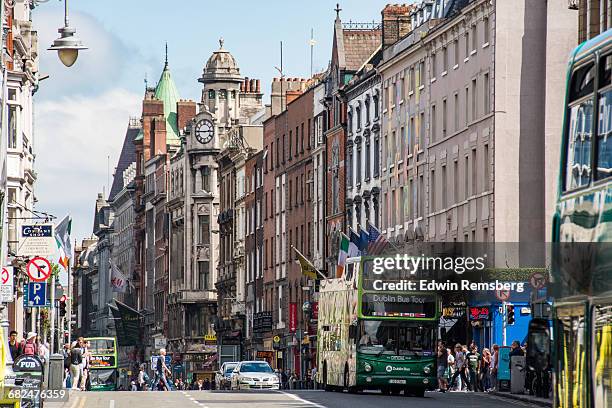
[
  {"x": 392, "y": 337},
  {"x": 101, "y": 346}
]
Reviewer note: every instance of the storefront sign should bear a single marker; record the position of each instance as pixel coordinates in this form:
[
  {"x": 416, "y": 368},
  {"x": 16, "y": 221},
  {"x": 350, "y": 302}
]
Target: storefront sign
[
  {"x": 479, "y": 313},
  {"x": 210, "y": 339},
  {"x": 453, "y": 312},
  {"x": 292, "y": 317},
  {"x": 265, "y": 354},
  {"x": 262, "y": 322},
  {"x": 102, "y": 361},
  {"x": 315, "y": 310}
]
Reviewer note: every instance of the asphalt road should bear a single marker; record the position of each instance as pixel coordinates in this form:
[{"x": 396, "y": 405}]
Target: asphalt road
[{"x": 282, "y": 399}]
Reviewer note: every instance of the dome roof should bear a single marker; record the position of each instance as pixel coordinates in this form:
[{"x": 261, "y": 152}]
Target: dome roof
[{"x": 221, "y": 66}]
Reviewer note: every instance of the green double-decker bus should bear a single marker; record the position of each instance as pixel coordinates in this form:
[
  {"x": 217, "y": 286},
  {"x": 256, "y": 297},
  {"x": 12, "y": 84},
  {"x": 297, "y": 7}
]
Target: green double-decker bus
[
  {"x": 369, "y": 338},
  {"x": 582, "y": 234},
  {"x": 103, "y": 363}
]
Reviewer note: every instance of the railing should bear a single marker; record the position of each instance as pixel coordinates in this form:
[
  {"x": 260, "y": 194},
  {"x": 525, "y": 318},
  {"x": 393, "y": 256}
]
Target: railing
[{"x": 361, "y": 26}]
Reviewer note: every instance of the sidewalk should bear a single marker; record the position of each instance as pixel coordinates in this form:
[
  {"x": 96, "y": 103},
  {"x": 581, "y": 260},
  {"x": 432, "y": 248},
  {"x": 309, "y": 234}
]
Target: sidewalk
[{"x": 525, "y": 398}]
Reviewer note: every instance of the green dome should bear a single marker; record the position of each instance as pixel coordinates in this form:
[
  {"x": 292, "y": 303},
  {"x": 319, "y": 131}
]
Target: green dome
[{"x": 167, "y": 93}]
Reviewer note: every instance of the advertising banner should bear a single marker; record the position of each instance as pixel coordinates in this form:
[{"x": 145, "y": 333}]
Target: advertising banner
[{"x": 292, "y": 317}]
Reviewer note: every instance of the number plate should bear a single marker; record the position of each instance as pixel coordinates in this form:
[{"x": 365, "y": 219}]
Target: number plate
[{"x": 397, "y": 381}]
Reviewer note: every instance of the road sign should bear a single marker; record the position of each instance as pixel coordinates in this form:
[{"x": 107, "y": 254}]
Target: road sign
[
  {"x": 537, "y": 280},
  {"x": 502, "y": 295},
  {"x": 37, "y": 240},
  {"x": 39, "y": 269},
  {"x": 37, "y": 294},
  {"x": 6, "y": 284}
]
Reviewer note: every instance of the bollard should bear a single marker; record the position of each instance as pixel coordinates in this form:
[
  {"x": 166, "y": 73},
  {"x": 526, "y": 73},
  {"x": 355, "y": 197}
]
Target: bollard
[{"x": 56, "y": 372}]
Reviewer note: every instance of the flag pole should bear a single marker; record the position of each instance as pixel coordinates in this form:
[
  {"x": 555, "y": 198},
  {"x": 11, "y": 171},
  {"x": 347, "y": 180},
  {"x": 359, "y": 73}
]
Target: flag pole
[{"x": 310, "y": 263}]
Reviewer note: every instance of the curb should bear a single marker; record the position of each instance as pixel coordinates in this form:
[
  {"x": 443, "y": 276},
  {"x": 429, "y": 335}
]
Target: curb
[{"x": 525, "y": 398}]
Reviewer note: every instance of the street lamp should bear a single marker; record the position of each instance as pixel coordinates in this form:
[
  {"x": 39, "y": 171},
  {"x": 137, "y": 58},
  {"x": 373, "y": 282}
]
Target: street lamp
[{"x": 68, "y": 44}]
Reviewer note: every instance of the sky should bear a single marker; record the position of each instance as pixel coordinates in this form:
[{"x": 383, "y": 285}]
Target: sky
[{"x": 82, "y": 112}]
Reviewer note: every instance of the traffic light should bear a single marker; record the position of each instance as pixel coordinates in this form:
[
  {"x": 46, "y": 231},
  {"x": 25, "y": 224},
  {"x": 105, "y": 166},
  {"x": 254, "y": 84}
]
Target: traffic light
[
  {"x": 510, "y": 314},
  {"x": 62, "y": 306}
]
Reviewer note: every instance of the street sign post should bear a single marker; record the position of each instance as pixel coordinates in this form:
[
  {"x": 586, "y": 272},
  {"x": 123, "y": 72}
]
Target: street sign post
[
  {"x": 37, "y": 294},
  {"x": 6, "y": 284},
  {"x": 39, "y": 269},
  {"x": 36, "y": 240}
]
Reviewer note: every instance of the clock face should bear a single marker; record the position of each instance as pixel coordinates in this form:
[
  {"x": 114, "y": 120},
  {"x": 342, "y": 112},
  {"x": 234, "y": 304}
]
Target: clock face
[{"x": 204, "y": 131}]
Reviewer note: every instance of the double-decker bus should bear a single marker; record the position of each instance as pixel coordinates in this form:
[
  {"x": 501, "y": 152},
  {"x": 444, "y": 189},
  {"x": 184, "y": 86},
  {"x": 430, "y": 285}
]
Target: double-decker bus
[
  {"x": 103, "y": 363},
  {"x": 582, "y": 234},
  {"x": 375, "y": 339}
]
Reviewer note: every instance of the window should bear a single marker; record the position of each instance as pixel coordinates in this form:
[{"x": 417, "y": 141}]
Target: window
[
  {"x": 432, "y": 123},
  {"x": 349, "y": 121},
  {"x": 12, "y": 127},
  {"x": 413, "y": 198},
  {"x": 399, "y": 90},
  {"x": 394, "y": 86},
  {"x": 358, "y": 166},
  {"x": 421, "y": 197},
  {"x": 402, "y": 141},
  {"x": 433, "y": 66},
  {"x": 411, "y": 136},
  {"x": 456, "y": 181},
  {"x": 386, "y": 96},
  {"x": 283, "y": 149},
  {"x": 604, "y": 128},
  {"x": 367, "y": 109},
  {"x": 205, "y": 173},
  {"x": 376, "y": 156},
  {"x": 474, "y": 173},
  {"x": 358, "y": 114},
  {"x": 466, "y": 179},
  {"x": 456, "y": 112},
  {"x": 445, "y": 59},
  {"x": 291, "y": 145},
  {"x": 421, "y": 140},
  {"x": 578, "y": 154},
  {"x": 444, "y": 185},
  {"x": 203, "y": 229},
  {"x": 467, "y": 105},
  {"x": 388, "y": 152},
  {"x": 367, "y": 159},
  {"x": 486, "y": 93},
  {"x": 474, "y": 99},
  {"x": 393, "y": 211},
  {"x": 432, "y": 192},
  {"x": 412, "y": 79},
  {"x": 297, "y": 141},
  {"x": 349, "y": 167},
  {"x": 444, "y": 113},
  {"x": 302, "y": 137},
  {"x": 393, "y": 147},
  {"x": 456, "y": 43},
  {"x": 376, "y": 107},
  {"x": 487, "y": 28},
  {"x": 204, "y": 275},
  {"x": 474, "y": 38},
  {"x": 421, "y": 73},
  {"x": 401, "y": 205},
  {"x": 467, "y": 43},
  {"x": 485, "y": 165},
  {"x": 310, "y": 134}
]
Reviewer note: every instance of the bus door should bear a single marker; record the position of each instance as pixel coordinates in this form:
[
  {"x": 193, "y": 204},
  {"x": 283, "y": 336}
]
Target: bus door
[
  {"x": 570, "y": 356},
  {"x": 602, "y": 353}
]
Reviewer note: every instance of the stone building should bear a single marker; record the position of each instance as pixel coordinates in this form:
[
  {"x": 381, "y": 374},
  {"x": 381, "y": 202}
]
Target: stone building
[
  {"x": 363, "y": 97},
  {"x": 353, "y": 44},
  {"x": 319, "y": 162}
]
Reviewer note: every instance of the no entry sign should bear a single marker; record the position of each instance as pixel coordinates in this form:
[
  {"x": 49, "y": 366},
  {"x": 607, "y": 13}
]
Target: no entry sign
[{"x": 39, "y": 269}]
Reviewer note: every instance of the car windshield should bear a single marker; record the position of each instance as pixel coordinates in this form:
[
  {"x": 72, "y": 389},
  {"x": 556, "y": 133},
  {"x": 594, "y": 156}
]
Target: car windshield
[
  {"x": 255, "y": 368},
  {"x": 229, "y": 368},
  {"x": 392, "y": 337}
]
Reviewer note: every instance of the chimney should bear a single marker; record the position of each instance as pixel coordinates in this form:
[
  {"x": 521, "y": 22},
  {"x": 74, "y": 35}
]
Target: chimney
[
  {"x": 247, "y": 85},
  {"x": 395, "y": 23},
  {"x": 292, "y": 96},
  {"x": 257, "y": 86},
  {"x": 252, "y": 85},
  {"x": 185, "y": 111}
]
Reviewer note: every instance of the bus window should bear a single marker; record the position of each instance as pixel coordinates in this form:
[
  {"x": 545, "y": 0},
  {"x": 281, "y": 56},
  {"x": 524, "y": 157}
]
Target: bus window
[
  {"x": 602, "y": 355},
  {"x": 578, "y": 154},
  {"x": 571, "y": 358},
  {"x": 604, "y": 128}
]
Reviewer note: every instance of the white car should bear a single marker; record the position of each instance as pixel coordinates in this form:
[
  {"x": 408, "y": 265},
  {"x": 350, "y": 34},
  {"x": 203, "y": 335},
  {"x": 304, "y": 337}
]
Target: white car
[
  {"x": 254, "y": 375},
  {"x": 224, "y": 375}
]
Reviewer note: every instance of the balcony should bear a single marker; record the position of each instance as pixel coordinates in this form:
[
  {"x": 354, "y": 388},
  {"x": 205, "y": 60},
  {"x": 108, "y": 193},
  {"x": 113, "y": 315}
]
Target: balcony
[{"x": 197, "y": 296}]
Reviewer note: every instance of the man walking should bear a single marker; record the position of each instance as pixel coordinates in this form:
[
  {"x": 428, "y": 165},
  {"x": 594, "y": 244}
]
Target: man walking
[
  {"x": 161, "y": 369},
  {"x": 76, "y": 365},
  {"x": 474, "y": 364},
  {"x": 461, "y": 365}
]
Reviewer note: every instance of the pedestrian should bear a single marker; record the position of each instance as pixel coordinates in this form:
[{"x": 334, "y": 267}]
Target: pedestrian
[
  {"x": 15, "y": 346},
  {"x": 85, "y": 363},
  {"x": 460, "y": 368},
  {"x": 161, "y": 370},
  {"x": 485, "y": 367},
  {"x": 284, "y": 379},
  {"x": 29, "y": 345},
  {"x": 133, "y": 386},
  {"x": 143, "y": 378},
  {"x": 313, "y": 375},
  {"x": 473, "y": 358},
  {"x": 76, "y": 365},
  {"x": 442, "y": 367},
  {"x": 494, "y": 366},
  {"x": 43, "y": 350}
]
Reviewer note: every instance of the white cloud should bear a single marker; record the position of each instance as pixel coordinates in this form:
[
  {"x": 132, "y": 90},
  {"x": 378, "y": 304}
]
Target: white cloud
[{"x": 74, "y": 137}]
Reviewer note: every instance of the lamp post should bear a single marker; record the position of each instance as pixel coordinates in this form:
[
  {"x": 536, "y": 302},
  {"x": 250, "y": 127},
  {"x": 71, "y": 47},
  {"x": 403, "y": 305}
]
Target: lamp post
[{"x": 68, "y": 44}]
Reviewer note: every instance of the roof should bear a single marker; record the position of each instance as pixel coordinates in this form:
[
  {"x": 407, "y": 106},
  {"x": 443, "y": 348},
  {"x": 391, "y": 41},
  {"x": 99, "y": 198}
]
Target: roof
[
  {"x": 126, "y": 158},
  {"x": 139, "y": 136},
  {"x": 359, "y": 45},
  {"x": 166, "y": 92}
]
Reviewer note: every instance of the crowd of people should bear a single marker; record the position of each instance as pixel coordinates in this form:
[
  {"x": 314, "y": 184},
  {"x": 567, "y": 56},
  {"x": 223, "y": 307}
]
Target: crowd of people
[
  {"x": 76, "y": 364},
  {"x": 464, "y": 368},
  {"x": 31, "y": 344}
]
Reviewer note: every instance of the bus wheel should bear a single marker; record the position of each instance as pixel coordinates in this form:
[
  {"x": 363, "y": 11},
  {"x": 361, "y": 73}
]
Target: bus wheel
[{"x": 395, "y": 391}]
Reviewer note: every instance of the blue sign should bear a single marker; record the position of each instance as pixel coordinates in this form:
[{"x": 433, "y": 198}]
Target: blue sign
[
  {"x": 37, "y": 231},
  {"x": 155, "y": 358},
  {"x": 37, "y": 294},
  {"x": 503, "y": 366}
]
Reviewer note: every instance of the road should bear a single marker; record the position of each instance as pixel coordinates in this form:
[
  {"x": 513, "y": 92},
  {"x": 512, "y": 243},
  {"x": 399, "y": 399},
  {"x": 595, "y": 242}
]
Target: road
[{"x": 282, "y": 399}]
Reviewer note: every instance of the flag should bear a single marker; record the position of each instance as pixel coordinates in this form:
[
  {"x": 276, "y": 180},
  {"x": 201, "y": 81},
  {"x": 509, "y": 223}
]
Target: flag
[
  {"x": 308, "y": 269},
  {"x": 378, "y": 242},
  {"x": 118, "y": 279},
  {"x": 364, "y": 239},
  {"x": 353, "y": 244},
  {"x": 342, "y": 254},
  {"x": 62, "y": 237}
]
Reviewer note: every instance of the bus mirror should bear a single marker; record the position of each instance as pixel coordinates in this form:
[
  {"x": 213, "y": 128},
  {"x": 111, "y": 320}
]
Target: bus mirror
[
  {"x": 352, "y": 332},
  {"x": 538, "y": 344}
]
